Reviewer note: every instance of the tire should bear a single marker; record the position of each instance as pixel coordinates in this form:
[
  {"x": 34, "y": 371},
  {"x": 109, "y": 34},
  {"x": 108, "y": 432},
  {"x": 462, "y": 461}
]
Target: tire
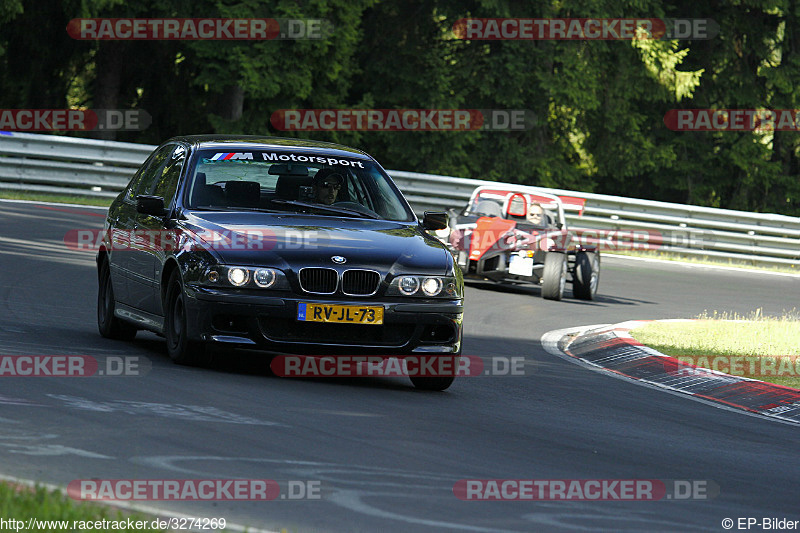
[
  {"x": 110, "y": 326},
  {"x": 180, "y": 349},
  {"x": 586, "y": 275},
  {"x": 554, "y": 277},
  {"x": 438, "y": 383}
]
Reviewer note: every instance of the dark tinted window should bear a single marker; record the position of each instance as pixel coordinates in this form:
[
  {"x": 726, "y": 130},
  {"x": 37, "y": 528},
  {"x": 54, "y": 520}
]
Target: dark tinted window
[
  {"x": 168, "y": 175},
  {"x": 146, "y": 177}
]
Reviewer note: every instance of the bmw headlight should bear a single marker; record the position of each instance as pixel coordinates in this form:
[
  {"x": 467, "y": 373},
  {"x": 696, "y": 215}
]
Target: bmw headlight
[
  {"x": 264, "y": 277},
  {"x": 408, "y": 285},
  {"x": 432, "y": 286},
  {"x": 238, "y": 277},
  {"x": 425, "y": 287},
  {"x": 245, "y": 277}
]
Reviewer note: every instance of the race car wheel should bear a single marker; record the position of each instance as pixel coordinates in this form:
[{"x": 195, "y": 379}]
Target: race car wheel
[
  {"x": 554, "y": 277},
  {"x": 180, "y": 349},
  {"x": 586, "y": 275},
  {"x": 109, "y": 325}
]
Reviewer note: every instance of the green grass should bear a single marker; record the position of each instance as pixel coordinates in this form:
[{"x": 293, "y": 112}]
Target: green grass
[
  {"x": 56, "y": 198},
  {"x": 764, "y": 348},
  {"x": 22, "y": 503},
  {"x": 707, "y": 260}
]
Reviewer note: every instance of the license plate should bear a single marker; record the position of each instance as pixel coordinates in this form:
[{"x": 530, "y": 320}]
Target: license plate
[
  {"x": 520, "y": 266},
  {"x": 342, "y": 314}
]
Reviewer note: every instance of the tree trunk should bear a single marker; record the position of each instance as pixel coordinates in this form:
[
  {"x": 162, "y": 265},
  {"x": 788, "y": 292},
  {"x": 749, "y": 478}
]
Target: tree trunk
[
  {"x": 107, "y": 83},
  {"x": 232, "y": 103}
]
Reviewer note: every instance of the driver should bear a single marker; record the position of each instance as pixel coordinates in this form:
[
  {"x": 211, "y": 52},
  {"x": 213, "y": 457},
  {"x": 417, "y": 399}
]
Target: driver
[
  {"x": 327, "y": 183},
  {"x": 535, "y": 213}
]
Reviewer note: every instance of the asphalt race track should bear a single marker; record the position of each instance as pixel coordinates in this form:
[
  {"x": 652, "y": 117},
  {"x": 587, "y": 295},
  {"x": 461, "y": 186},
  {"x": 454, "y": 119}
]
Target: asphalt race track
[{"x": 385, "y": 455}]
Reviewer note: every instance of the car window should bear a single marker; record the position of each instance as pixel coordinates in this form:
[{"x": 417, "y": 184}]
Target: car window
[
  {"x": 168, "y": 175},
  {"x": 274, "y": 180},
  {"x": 133, "y": 186},
  {"x": 146, "y": 179}
]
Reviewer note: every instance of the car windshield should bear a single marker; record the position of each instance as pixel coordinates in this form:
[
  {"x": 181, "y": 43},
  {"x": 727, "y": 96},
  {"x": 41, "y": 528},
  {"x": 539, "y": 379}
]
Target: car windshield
[
  {"x": 485, "y": 207},
  {"x": 283, "y": 181}
]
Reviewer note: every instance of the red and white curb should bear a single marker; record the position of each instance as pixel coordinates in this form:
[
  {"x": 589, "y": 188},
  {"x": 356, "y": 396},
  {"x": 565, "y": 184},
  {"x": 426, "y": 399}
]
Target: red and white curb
[{"x": 610, "y": 348}]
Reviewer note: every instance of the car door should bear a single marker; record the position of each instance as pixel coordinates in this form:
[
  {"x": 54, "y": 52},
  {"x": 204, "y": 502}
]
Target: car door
[
  {"x": 150, "y": 253},
  {"x": 122, "y": 228},
  {"x": 137, "y": 258}
]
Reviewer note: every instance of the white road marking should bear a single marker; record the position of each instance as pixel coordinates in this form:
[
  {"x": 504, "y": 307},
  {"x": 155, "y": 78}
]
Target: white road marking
[
  {"x": 335, "y": 477},
  {"x": 195, "y": 413}
]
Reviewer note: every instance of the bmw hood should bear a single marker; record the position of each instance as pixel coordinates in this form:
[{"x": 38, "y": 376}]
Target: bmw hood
[{"x": 293, "y": 241}]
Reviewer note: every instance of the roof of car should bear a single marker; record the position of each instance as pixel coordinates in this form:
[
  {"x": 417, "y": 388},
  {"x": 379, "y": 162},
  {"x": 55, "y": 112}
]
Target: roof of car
[{"x": 261, "y": 142}]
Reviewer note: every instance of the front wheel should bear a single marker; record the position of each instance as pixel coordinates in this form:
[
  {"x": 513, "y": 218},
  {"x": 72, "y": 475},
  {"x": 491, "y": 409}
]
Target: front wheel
[
  {"x": 180, "y": 349},
  {"x": 586, "y": 275},
  {"x": 554, "y": 277},
  {"x": 110, "y": 326}
]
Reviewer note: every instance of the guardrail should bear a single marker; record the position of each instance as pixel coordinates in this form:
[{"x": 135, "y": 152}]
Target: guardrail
[
  {"x": 55, "y": 164},
  {"x": 67, "y": 165},
  {"x": 642, "y": 224}
]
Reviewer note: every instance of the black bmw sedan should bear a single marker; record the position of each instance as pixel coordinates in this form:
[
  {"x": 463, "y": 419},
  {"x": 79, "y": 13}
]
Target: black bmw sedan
[{"x": 282, "y": 245}]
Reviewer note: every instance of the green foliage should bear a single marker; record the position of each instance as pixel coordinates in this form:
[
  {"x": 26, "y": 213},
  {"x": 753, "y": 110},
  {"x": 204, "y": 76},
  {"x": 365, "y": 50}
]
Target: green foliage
[{"x": 599, "y": 105}]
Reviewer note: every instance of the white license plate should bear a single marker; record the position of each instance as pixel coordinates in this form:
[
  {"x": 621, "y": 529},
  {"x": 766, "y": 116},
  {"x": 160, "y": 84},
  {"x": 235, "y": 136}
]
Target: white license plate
[{"x": 520, "y": 266}]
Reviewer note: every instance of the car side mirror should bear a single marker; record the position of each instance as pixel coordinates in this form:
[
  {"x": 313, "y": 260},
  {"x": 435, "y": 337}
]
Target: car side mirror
[
  {"x": 150, "y": 205},
  {"x": 434, "y": 220}
]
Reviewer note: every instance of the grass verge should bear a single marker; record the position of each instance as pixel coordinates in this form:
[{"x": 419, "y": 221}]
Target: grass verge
[
  {"x": 56, "y": 198},
  {"x": 753, "y": 346},
  {"x": 707, "y": 260},
  {"x": 22, "y": 503}
]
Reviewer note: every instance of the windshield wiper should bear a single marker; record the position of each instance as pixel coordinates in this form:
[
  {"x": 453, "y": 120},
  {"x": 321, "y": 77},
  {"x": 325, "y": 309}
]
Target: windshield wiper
[
  {"x": 232, "y": 208},
  {"x": 323, "y": 207}
]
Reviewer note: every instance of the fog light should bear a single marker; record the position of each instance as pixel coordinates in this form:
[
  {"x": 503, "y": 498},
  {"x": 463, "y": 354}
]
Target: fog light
[
  {"x": 432, "y": 286},
  {"x": 213, "y": 276},
  {"x": 238, "y": 276}
]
